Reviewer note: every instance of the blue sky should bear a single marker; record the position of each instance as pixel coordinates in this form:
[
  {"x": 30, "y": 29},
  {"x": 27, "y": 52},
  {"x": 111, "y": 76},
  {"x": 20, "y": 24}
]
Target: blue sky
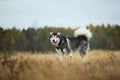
[{"x": 73, "y": 13}]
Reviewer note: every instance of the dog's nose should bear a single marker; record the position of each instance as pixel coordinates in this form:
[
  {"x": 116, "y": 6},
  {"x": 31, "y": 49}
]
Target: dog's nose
[{"x": 53, "y": 40}]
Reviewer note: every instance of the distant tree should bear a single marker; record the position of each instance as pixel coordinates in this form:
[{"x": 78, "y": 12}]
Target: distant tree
[{"x": 31, "y": 39}]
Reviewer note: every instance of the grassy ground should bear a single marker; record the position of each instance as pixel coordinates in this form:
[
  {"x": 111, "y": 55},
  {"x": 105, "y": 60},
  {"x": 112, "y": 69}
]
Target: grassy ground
[{"x": 104, "y": 65}]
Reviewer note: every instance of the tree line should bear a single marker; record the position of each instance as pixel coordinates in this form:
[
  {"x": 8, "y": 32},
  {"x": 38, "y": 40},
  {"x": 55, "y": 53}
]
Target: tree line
[{"x": 32, "y": 39}]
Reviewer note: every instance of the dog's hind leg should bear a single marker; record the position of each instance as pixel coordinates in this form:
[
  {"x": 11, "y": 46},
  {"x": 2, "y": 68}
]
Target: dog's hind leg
[
  {"x": 84, "y": 53},
  {"x": 60, "y": 54},
  {"x": 85, "y": 58}
]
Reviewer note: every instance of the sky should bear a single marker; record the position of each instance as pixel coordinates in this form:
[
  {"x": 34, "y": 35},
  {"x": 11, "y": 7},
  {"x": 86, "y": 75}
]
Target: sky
[{"x": 61, "y": 13}]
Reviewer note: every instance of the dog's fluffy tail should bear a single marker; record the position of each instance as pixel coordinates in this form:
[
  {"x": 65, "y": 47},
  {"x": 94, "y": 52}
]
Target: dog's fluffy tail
[{"x": 84, "y": 32}]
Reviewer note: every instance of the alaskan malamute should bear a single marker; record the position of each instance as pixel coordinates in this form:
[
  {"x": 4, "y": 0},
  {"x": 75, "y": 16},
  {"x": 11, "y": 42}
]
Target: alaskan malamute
[{"x": 68, "y": 45}]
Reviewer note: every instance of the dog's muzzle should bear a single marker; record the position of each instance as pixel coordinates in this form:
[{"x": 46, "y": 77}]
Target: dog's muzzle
[{"x": 54, "y": 43}]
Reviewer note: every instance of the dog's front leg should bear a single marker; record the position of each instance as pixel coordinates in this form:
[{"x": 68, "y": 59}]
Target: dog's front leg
[
  {"x": 60, "y": 54},
  {"x": 71, "y": 56}
]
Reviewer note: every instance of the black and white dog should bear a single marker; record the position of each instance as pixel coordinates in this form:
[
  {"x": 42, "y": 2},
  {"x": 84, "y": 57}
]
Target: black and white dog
[{"x": 68, "y": 45}]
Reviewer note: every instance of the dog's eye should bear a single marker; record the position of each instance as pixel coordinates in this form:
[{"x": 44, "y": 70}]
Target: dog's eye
[{"x": 52, "y": 36}]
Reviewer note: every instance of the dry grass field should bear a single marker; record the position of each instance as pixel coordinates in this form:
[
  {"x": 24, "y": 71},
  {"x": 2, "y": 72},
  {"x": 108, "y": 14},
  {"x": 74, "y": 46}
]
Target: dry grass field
[{"x": 104, "y": 65}]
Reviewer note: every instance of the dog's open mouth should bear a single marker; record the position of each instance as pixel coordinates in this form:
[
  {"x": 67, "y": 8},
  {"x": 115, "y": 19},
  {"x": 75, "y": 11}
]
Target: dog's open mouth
[{"x": 54, "y": 44}]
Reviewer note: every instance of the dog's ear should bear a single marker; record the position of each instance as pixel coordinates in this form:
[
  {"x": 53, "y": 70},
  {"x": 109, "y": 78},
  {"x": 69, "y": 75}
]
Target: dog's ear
[
  {"x": 51, "y": 33},
  {"x": 59, "y": 33}
]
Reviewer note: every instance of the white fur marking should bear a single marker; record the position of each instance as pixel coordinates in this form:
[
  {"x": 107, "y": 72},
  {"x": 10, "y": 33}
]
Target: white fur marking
[
  {"x": 64, "y": 50},
  {"x": 68, "y": 44}
]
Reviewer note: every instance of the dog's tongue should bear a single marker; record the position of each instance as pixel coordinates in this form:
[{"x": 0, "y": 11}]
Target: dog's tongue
[{"x": 54, "y": 44}]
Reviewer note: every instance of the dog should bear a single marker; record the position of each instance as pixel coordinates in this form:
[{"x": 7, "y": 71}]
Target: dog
[{"x": 63, "y": 44}]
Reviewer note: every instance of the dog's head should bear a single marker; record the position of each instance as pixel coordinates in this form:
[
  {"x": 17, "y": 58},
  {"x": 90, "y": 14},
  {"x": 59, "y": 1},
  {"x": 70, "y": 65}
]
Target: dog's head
[{"x": 55, "y": 38}]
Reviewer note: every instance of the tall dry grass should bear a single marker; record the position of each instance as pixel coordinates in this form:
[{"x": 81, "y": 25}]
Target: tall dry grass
[{"x": 104, "y": 65}]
